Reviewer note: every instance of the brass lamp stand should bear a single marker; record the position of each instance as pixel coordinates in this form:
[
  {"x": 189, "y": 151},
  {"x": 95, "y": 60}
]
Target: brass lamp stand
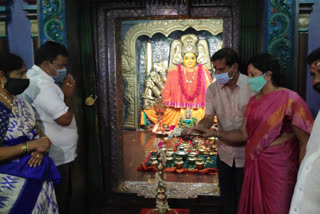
[{"x": 162, "y": 206}]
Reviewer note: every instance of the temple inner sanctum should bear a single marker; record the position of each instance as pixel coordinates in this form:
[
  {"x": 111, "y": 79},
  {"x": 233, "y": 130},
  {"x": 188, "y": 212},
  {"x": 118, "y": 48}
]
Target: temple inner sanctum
[
  {"x": 183, "y": 84},
  {"x": 142, "y": 69},
  {"x": 172, "y": 66}
]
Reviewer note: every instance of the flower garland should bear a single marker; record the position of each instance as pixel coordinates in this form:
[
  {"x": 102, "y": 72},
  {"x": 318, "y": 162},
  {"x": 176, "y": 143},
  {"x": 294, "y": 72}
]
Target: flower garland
[{"x": 183, "y": 90}]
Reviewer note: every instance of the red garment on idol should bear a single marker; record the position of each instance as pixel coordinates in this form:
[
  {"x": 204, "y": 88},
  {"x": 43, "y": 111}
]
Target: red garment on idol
[
  {"x": 186, "y": 87},
  {"x": 271, "y": 171}
]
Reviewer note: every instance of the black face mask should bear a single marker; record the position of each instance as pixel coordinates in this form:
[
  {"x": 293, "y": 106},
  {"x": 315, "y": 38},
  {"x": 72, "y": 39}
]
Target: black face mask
[
  {"x": 317, "y": 87},
  {"x": 16, "y": 86}
]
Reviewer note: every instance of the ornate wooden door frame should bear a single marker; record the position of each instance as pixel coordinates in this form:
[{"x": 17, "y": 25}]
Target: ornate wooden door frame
[{"x": 110, "y": 80}]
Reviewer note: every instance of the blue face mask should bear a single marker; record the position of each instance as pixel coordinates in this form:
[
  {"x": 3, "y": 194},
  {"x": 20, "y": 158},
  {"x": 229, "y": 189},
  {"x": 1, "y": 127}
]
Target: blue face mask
[
  {"x": 61, "y": 75},
  {"x": 224, "y": 77},
  {"x": 257, "y": 83}
]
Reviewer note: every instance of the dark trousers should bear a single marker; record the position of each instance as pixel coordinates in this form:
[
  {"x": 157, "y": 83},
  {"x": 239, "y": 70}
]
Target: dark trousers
[
  {"x": 230, "y": 181},
  {"x": 64, "y": 188}
]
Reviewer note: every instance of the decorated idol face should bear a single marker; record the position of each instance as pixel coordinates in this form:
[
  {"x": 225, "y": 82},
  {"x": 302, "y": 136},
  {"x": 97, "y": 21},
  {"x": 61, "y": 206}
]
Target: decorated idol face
[{"x": 189, "y": 60}]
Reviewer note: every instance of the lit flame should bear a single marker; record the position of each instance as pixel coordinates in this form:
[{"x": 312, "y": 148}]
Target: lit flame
[{"x": 155, "y": 128}]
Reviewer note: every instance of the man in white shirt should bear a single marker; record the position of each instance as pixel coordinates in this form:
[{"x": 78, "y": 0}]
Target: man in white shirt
[
  {"x": 306, "y": 197},
  {"x": 227, "y": 99},
  {"x": 50, "y": 93}
]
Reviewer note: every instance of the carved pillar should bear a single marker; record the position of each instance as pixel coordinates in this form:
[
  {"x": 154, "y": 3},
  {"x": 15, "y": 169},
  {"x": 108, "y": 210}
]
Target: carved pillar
[
  {"x": 305, "y": 8},
  {"x": 52, "y": 21},
  {"x": 280, "y": 36}
]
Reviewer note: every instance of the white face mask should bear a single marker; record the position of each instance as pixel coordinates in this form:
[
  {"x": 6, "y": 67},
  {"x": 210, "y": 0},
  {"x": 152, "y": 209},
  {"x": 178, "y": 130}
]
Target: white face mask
[
  {"x": 61, "y": 75},
  {"x": 224, "y": 77}
]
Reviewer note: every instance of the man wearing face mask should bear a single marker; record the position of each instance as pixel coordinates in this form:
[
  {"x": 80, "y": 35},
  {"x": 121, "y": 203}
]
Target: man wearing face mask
[
  {"x": 227, "y": 99},
  {"x": 275, "y": 131},
  {"x": 306, "y": 195},
  {"x": 50, "y": 93}
]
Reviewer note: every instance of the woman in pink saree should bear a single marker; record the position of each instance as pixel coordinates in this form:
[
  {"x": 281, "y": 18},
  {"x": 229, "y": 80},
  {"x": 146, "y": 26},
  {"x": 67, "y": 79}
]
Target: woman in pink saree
[{"x": 276, "y": 129}]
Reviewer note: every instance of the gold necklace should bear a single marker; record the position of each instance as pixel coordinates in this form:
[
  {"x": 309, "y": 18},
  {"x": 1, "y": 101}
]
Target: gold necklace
[
  {"x": 10, "y": 104},
  {"x": 192, "y": 78}
]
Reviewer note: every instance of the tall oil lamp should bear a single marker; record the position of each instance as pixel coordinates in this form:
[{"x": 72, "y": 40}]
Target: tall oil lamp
[{"x": 162, "y": 206}]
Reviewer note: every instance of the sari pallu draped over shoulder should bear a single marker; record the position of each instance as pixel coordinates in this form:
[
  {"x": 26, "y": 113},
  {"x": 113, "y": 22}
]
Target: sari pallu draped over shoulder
[
  {"x": 24, "y": 189},
  {"x": 271, "y": 171},
  {"x": 19, "y": 166}
]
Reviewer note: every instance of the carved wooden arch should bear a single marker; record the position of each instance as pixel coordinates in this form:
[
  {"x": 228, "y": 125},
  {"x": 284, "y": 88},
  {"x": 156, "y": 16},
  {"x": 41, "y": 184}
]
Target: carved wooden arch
[{"x": 166, "y": 27}]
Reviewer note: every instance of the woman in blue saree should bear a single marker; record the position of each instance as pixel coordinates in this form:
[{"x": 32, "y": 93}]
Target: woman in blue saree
[{"x": 27, "y": 172}]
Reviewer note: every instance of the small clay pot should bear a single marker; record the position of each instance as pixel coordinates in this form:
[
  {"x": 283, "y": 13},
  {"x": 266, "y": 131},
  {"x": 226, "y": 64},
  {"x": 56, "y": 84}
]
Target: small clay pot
[
  {"x": 179, "y": 163},
  {"x": 192, "y": 160},
  {"x": 199, "y": 163},
  {"x": 169, "y": 159}
]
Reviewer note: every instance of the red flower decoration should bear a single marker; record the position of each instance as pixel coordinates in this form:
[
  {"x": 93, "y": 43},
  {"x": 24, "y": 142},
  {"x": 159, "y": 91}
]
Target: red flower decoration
[
  {"x": 160, "y": 145},
  {"x": 274, "y": 10},
  {"x": 172, "y": 127}
]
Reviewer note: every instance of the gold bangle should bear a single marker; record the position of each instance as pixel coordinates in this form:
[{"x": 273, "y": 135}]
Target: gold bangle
[
  {"x": 27, "y": 147},
  {"x": 24, "y": 148}
]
